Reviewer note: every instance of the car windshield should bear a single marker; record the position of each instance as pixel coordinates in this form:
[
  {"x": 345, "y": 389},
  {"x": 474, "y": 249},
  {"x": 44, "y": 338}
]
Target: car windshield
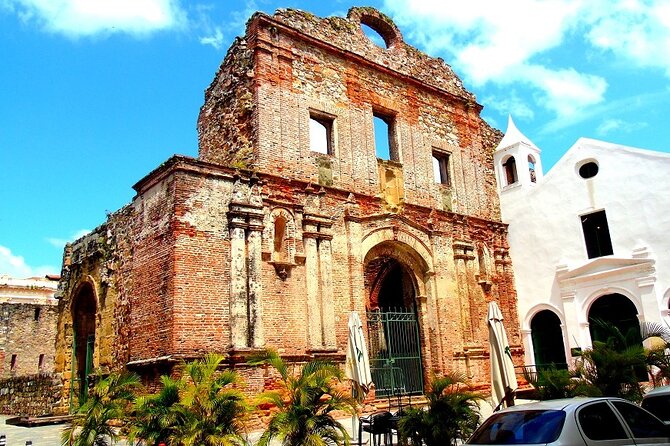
[{"x": 520, "y": 427}]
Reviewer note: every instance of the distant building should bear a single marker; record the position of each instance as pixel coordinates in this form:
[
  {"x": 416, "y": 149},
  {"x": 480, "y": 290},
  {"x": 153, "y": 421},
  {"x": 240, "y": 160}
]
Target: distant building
[
  {"x": 28, "y": 315},
  {"x": 589, "y": 240}
]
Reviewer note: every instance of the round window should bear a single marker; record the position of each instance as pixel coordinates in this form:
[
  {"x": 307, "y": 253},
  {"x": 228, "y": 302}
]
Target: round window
[{"x": 588, "y": 170}]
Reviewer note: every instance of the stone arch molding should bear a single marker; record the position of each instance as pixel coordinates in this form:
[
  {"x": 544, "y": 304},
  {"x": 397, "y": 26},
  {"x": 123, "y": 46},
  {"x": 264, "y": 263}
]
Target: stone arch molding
[
  {"x": 81, "y": 283},
  {"x": 591, "y": 298},
  {"x": 405, "y": 248},
  {"x": 542, "y": 307}
]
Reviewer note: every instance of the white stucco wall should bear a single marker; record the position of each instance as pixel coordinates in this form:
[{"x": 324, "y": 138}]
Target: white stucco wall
[{"x": 549, "y": 257}]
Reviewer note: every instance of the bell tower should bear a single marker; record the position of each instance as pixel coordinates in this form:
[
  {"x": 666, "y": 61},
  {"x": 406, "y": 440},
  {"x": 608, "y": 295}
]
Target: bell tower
[{"x": 517, "y": 161}]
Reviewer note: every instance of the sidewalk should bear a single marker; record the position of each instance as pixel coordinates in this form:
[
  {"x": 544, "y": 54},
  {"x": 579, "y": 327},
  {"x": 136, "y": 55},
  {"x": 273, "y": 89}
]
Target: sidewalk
[
  {"x": 40, "y": 436},
  {"x": 50, "y": 435}
]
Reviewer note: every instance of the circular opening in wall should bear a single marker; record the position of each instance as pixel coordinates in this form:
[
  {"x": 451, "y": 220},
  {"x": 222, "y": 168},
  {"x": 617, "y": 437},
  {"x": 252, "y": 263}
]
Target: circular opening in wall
[{"x": 588, "y": 170}]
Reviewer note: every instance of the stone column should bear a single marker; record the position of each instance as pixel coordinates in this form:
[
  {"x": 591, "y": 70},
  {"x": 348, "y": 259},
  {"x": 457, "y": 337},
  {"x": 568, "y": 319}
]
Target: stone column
[
  {"x": 312, "y": 279},
  {"x": 527, "y": 342},
  {"x": 572, "y": 322},
  {"x": 239, "y": 328},
  {"x": 326, "y": 292},
  {"x": 255, "y": 310},
  {"x": 356, "y": 285}
]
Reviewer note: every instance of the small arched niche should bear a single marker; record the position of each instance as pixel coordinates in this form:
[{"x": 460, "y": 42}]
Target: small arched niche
[{"x": 280, "y": 233}]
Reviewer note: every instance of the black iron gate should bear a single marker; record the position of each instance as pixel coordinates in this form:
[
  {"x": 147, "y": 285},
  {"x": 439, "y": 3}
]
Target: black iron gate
[{"x": 395, "y": 352}]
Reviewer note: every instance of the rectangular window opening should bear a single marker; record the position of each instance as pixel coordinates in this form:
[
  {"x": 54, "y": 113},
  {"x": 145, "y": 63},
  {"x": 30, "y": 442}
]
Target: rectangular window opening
[
  {"x": 321, "y": 133},
  {"x": 40, "y": 362},
  {"x": 12, "y": 364},
  {"x": 596, "y": 235},
  {"x": 441, "y": 168},
  {"x": 36, "y": 316},
  {"x": 384, "y": 127}
]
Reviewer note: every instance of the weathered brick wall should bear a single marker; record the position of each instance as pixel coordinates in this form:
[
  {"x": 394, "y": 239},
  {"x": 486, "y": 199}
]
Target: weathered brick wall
[
  {"x": 302, "y": 62},
  {"x": 151, "y": 292},
  {"x": 230, "y": 100},
  {"x": 29, "y": 336},
  {"x": 201, "y": 263},
  {"x": 453, "y": 303},
  {"x": 100, "y": 262},
  {"x": 30, "y": 395}
]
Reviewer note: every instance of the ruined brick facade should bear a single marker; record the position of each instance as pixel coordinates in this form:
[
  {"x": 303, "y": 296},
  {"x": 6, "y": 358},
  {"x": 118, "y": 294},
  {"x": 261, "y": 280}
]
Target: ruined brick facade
[
  {"x": 261, "y": 242},
  {"x": 28, "y": 315}
]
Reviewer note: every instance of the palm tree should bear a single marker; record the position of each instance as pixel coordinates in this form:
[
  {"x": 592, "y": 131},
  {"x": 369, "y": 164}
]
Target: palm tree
[
  {"x": 658, "y": 361},
  {"x": 156, "y": 416},
  {"x": 452, "y": 414},
  {"x": 109, "y": 400},
  {"x": 210, "y": 409},
  {"x": 305, "y": 404},
  {"x": 616, "y": 366}
]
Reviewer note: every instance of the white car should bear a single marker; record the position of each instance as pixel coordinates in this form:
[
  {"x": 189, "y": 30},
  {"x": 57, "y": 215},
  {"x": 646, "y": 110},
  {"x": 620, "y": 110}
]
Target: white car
[{"x": 575, "y": 421}]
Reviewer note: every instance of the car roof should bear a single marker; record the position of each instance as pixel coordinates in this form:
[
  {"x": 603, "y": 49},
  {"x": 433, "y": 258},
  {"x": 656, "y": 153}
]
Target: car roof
[
  {"x": 559, "y": 404},
  {"x": 662, "y": 390}
]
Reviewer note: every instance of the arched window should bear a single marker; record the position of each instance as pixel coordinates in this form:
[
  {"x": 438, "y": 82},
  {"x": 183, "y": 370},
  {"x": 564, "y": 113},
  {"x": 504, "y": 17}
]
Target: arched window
[
  {"x": 531, "y": 168},
  {"x": 510, "y": 170}
]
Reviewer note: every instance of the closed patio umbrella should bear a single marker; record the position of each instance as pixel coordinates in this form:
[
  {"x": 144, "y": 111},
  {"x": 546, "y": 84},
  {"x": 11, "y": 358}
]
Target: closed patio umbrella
[
  {"x": 503, "y": 377},
  {"x": 357, "y": 367}
]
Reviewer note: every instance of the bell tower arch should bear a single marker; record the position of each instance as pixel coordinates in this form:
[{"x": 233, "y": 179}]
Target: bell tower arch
[{"x": 517, "y": 161}]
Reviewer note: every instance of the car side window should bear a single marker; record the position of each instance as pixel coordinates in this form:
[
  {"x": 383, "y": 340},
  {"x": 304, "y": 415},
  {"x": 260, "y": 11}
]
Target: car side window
[
  {"x": 658, "y": 405},
  {"x": 641, "y": 423},
  {"x": 598, "y": 422}
]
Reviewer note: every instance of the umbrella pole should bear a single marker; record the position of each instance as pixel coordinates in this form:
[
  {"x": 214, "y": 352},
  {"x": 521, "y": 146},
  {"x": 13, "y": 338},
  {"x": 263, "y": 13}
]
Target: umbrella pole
[{"x": 355, "y": 433}]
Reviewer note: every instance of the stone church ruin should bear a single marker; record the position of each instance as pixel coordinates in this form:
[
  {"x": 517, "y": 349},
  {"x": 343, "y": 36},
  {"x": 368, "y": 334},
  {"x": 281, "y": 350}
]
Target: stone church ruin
[{"x": 289, "y": 219}]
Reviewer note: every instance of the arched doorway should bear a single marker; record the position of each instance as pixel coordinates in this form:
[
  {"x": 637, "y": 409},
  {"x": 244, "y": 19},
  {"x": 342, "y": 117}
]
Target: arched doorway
[
  {"x": 393, "y": 326},
  {"x": 617, "y": 310},
  {"x": 547, "y": 336},
  {"x": 83, "y": 324}
]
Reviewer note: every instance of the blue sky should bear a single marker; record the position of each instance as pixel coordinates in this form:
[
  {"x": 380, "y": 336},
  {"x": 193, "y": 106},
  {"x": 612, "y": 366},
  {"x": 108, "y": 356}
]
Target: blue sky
[{"x": 95, "y": 94}]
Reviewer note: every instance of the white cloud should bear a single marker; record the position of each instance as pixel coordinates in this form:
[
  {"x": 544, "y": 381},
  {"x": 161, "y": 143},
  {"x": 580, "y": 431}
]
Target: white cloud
[
  {"x": 618, "y": 125},
  {"x": 511, "y": 103},
  {"x": 488, "y": 38},
  {"x": 215, "y": 40},
  {"x": 566, "y": 91},
  {"x": 627, "y": 104},
  {"x": 505, "y": 43},
  {"x": 636, "y": 30},
  {"x": 15, "y": 266},
  {"x": 60, "y": 242},
  {"x": 90, "y": 17}
]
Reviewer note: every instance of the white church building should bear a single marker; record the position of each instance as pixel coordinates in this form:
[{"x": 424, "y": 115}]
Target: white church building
[{"x": 588, "y": 240}]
